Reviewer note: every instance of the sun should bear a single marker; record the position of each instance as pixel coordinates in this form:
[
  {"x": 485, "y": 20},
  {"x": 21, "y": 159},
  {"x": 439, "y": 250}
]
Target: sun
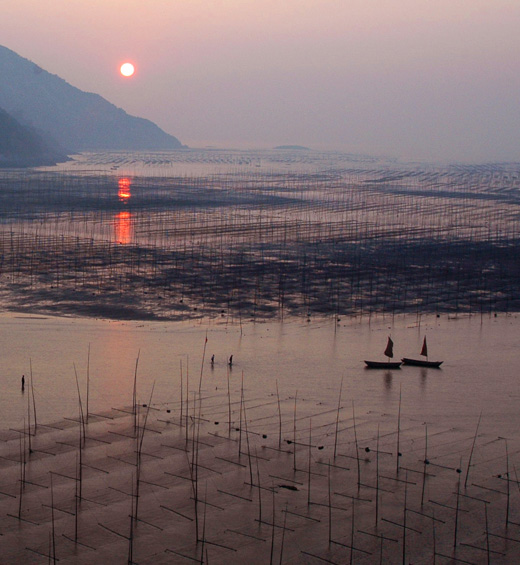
[{"x": 127, "y": 69}]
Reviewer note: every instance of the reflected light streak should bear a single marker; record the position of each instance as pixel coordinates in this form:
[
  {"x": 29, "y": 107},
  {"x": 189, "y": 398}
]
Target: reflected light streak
[
  {"x": 123, "y": 227},
  {"x": 124, "y": 189}
]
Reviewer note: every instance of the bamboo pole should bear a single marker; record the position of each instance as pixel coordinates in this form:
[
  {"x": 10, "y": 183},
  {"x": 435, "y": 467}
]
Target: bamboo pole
[
  {"x": 457, "y": 511},
  {"x": 88, "y": 379},
  {"x": 294, "y": 432},
  {"x": 202, "y": 364},
  {"x": 33, "y": 399},
  {"x": 309, "y": 465},
  {"x": 357, "y": 447},
  {"x": 134, "y": 394},
  {"x": 279, "y": 417},
  {"x": 425, "y": 463},
  {"x": 337, "y": 419},
  {"x": 81, "y": 415},
  {"x": 471, "y": 452},
  {"x": 398, "y": 431},
  {"x": 229, "y": 402},
  {"x": 377, "y": 477}
]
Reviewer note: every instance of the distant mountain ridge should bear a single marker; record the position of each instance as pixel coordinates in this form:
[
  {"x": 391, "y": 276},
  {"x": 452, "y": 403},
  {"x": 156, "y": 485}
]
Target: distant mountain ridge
[
  {"x": 23, "y": 147},
  {"x": 74, "y": 119}
]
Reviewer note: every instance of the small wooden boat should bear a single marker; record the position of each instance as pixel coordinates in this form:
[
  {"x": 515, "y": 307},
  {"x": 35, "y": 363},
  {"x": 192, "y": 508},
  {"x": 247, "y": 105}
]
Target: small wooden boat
[
  {"x": 422, "y": 362},
  {"x": 383, "y": 364},
  {"x": 389, "y": 352}
]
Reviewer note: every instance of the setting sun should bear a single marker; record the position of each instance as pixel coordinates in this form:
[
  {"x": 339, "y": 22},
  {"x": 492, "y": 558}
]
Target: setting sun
[{"x": 127, "y": 69}]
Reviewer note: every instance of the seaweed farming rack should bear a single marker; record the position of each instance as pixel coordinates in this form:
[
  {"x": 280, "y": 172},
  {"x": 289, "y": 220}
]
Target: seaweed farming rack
[{"x": 346, "y": 239}]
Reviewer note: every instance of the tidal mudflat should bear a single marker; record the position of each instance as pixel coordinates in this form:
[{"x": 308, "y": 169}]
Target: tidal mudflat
[{"x": 264, "y": 235}]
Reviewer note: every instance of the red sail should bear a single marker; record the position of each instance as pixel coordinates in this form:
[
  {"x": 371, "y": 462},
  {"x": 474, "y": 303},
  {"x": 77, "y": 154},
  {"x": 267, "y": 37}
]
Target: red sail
[
  {"x": 424, "y": 350},
  {"x": 389, "y": 351}
]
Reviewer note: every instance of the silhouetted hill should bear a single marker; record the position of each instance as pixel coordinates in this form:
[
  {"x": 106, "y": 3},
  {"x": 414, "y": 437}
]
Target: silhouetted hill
[
  {"x": 76, "y": 120},
  {"x": 23, "y": 147}
]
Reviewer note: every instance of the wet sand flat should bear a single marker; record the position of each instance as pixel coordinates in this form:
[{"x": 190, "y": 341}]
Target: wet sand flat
[
  {"x": 257, "y": 236},
  {"x": 300, "y": 494}
]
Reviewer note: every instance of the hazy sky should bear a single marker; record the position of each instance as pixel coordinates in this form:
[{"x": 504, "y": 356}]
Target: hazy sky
[{"x": 416, "y": 79}]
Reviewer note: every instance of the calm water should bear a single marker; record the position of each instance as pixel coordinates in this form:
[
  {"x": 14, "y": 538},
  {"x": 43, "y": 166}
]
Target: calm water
[{"x": 480, "y": 372}]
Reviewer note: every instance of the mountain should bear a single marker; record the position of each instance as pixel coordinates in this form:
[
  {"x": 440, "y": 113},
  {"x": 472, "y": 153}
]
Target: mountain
[
  {"x": 23, "y": 147},
  {"x": 74, "y": 119}
]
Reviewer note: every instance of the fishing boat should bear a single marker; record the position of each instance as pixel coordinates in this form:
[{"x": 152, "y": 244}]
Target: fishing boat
[
  {"x": 422, "y": 362},
  {"x": 389, "y": 352}
]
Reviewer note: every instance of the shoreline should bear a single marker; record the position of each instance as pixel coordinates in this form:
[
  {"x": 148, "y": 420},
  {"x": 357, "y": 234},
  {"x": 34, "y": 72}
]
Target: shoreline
[
  {"x": 55, "y": 347},
  {"x": 219, "y": 318},
  {"x": 96, "y": 310}
]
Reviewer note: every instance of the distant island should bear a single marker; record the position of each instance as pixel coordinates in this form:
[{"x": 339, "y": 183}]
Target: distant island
[
  {"x": 293, "y": 147},
  {"x": 66, "y": 117}
]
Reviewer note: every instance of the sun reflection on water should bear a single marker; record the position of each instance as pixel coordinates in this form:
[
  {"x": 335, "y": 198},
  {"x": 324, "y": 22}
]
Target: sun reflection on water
[
  {"x": 123, "y": 220},
  {"x": 123, "y": 227},
  {"x": 124, "y": 189}
]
